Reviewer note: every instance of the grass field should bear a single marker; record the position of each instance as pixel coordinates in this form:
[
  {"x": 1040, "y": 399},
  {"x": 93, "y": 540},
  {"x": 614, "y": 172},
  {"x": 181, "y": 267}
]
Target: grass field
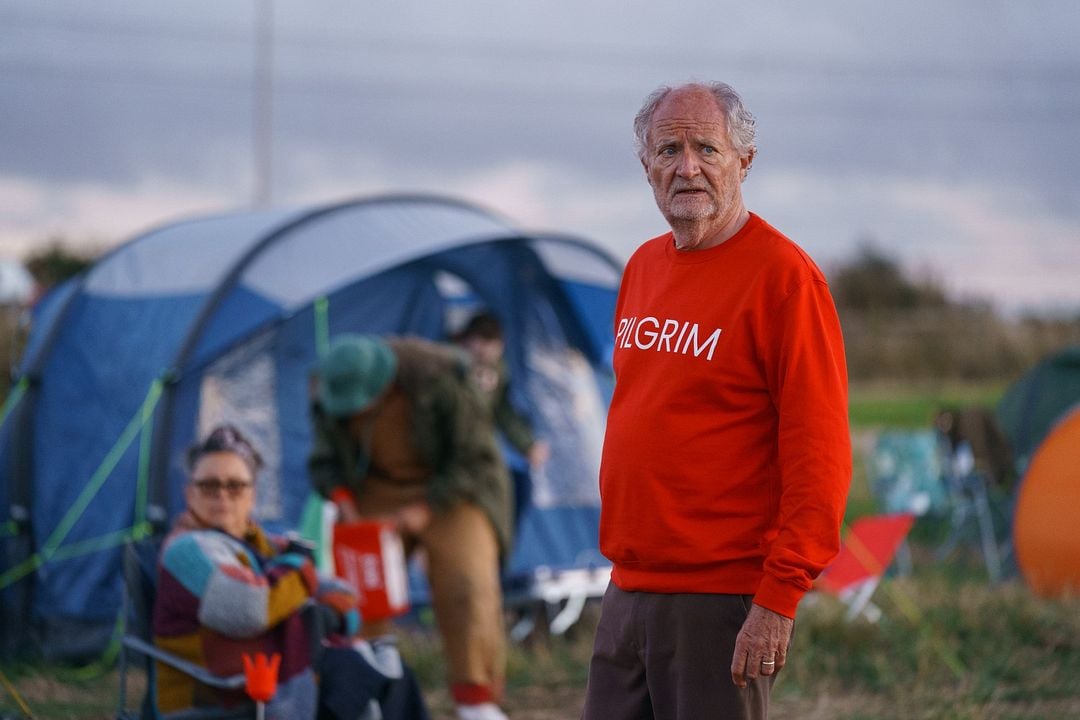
[
  {"x": 949, "y": 645},
  {"x": 892, "y": 405}
]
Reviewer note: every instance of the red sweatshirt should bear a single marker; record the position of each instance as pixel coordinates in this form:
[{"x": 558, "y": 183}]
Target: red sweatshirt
[{"x": 727, "y": 458}]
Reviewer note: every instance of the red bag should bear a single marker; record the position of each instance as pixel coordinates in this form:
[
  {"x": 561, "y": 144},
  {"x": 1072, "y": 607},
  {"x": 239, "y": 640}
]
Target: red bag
[{"x": 369, "y": 555}]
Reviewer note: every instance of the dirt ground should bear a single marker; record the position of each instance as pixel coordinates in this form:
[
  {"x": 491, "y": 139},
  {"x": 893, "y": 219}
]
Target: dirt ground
[
  {"x": 525, "y": 703},
  {"x": 51, "y": 698},
  {"x": 564, "y": 703}
]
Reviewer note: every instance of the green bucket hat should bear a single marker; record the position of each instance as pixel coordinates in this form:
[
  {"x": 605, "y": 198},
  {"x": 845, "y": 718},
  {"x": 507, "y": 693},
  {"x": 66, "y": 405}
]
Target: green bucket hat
[{"x": 355, "y": 370}]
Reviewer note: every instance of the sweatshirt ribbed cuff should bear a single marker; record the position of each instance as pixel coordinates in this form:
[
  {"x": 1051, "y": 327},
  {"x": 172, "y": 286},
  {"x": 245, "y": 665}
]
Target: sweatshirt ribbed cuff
[{"x": 778, "y": 596}]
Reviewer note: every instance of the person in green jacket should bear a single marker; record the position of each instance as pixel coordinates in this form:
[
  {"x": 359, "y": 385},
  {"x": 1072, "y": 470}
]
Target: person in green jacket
[
  {"x": 401, "y": 433},
  {"x": 482, "y": 339}
]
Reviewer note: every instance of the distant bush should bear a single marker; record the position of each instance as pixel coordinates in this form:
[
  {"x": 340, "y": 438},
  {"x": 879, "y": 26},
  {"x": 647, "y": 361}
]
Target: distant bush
[
  {"x": 900, "y": 328},
  {"x": 56, "y": 262},
  {"x": 873, "y": 282},
  {"x": 50, "y": 265}
]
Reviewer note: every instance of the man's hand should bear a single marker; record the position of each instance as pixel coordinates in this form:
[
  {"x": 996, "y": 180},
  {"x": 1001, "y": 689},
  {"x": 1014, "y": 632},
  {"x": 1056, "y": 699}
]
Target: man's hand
[
  {"x": 538, "y": 453},
  {"x": 413, "y": 519},
  {"x": 762, "y": 645}
]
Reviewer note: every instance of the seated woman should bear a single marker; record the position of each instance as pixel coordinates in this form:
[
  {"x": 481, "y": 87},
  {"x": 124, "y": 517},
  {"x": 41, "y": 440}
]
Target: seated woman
[{"x": 227, "y": 588}]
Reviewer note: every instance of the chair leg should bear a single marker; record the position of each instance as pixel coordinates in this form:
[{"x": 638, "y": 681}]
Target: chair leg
[
  {"x": 858, "y": 601},
  {"x": 902, "y": 560},
  {"x": 989, "y": 541},
  {"x": 569, "y": 615},
  {"x": 525, "y": 626}
]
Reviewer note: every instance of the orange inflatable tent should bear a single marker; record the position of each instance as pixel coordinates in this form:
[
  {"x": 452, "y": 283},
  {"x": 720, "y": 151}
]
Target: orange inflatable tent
[{"x": 1046, "y": 531}]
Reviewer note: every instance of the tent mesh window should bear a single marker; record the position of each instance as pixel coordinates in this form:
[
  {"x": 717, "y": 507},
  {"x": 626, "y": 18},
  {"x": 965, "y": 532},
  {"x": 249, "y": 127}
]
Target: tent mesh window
[{"x": 235, "y": 389}]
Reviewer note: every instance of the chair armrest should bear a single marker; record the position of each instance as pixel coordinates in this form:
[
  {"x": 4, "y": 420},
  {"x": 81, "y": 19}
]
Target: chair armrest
[{"x": 232, "y": 682}]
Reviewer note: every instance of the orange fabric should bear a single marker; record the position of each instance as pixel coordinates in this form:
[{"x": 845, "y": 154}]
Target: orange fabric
[
  {"x": 1044, "y": 529},
  {"x": 727, "y": 457}
]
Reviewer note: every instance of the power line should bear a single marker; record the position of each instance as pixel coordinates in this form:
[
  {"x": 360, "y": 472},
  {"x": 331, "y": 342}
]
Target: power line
[{"x": 619, "y": 56}]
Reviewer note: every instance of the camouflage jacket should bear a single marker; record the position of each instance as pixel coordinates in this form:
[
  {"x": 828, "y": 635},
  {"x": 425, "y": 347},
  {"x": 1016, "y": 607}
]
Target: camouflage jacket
[
  {"x": 451, "y": 428},
  {"x": 493, "y": 384}
]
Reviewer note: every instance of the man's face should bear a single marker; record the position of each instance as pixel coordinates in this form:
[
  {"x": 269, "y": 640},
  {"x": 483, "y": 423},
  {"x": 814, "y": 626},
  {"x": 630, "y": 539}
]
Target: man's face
[
  {"x": 694, "y": 171},
  {"x": 484, "y": 351}
]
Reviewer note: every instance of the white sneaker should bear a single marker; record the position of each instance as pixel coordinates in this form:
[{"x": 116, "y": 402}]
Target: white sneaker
[{"x": 480, "y": 711}]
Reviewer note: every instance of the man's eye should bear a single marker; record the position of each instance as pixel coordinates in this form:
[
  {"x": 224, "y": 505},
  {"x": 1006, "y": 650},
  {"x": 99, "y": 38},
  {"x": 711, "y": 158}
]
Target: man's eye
[
  {"x": 708, "y": 149},
  {"x": 667, "y": 152}
]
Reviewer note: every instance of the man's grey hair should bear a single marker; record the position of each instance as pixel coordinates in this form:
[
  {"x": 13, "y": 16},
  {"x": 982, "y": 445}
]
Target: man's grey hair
[{"x": 740, "y": 122}]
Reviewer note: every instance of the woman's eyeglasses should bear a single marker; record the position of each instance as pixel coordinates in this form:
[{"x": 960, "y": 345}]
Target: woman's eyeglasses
[{"x": 213, "y": 487}]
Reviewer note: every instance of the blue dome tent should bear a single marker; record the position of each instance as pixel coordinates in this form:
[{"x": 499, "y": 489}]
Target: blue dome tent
[{"x": 222, "y": 318}]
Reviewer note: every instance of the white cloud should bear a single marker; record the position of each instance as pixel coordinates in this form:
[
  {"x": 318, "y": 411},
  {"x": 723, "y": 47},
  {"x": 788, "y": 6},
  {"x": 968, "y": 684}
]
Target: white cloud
[
  {"x": 999, "y": 243},
  {"x": 92, "y": 216},
  {"x": 984, "y": 241},
  {"x": 532, "y": 195}
]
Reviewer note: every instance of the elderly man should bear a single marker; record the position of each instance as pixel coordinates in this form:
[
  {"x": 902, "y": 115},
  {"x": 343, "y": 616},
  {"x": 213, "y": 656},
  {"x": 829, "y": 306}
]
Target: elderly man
[
  {"x": 727, "y": 457},
  {"x": 401, "y": 434}
]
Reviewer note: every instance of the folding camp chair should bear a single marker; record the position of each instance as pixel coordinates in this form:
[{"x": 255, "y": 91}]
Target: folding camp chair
[
  {"x": 865, "y": 555},
  {"x": 140, "y": 585},
  {"x": 970, "y": 502},
  {"x": 919, "y": 472},
  {"x": 554, "y": 600}
]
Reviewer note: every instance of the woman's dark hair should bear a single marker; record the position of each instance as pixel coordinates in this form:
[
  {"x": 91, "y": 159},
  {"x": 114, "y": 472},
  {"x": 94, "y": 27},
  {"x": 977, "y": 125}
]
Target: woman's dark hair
[{"x": 226, "y": 438}]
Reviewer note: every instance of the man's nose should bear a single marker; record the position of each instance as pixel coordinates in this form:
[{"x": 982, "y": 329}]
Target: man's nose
[{"x": 688, "y": 165}]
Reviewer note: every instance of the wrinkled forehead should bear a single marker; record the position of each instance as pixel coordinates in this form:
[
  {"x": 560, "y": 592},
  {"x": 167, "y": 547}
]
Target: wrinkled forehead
[
  {"x": 692, "y": 112},
  {"x": 676, "y": 128}
]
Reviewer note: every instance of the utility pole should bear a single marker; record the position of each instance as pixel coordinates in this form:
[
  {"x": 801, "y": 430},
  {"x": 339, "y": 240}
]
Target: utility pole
[{"x": 263, "y": 105}]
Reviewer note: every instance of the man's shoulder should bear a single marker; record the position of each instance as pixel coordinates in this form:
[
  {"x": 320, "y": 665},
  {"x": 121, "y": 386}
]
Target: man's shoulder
[
  {"x": 782, "y": 253},
  {"x": 651, "y": 247},
  {"x": 656, "y": 244},
  {"x": 423, "y": 364}
]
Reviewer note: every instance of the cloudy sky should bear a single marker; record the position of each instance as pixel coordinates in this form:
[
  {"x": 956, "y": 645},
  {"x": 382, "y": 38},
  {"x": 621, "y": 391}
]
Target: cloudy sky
[{"x": 941, "y": 131}]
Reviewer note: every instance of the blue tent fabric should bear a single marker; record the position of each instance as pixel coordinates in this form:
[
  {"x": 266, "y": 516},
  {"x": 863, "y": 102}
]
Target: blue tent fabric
[{"x": 218, "y": 318}]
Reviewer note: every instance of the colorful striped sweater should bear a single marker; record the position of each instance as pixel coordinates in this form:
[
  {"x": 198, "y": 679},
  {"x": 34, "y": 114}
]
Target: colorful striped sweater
[{"x": 219, "y": 597}]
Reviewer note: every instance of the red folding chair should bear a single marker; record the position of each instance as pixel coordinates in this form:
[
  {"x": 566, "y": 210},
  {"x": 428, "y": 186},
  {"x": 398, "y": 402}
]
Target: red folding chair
[{"x": 867, "y": 551}]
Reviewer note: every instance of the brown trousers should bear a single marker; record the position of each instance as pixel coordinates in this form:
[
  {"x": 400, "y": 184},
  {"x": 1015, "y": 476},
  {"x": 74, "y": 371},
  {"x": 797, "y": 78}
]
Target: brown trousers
[
  {"x": 463, "y": 571},
  {"x": 462, "y": 557},
  {"x": 668, "y": 656}
]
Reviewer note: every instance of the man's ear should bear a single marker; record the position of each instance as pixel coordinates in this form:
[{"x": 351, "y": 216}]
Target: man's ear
[{"x": 746, "y": 161}]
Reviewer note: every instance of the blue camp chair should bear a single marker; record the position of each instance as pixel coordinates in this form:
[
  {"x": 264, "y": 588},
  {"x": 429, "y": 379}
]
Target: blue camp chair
[
  {"x": 906, "y": 473},
  {"x": 970, "y": 503},
  {"x": 918, "y": 472}
]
